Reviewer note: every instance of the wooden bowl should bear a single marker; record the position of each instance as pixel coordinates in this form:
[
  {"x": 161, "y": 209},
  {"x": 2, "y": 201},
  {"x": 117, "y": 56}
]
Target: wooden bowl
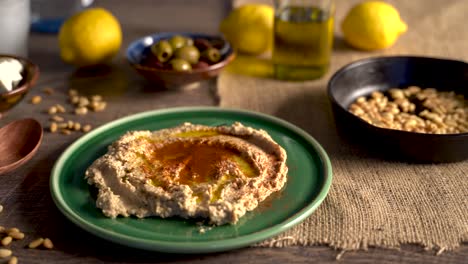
[
  {"x": 30, "y": 74},
  {"x": 21, "y": 140},
  {"x": 168, "y": 78}
]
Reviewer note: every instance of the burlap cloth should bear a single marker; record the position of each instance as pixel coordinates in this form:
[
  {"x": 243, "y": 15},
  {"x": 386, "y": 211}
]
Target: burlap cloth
[{"x": 372, "y": 202}]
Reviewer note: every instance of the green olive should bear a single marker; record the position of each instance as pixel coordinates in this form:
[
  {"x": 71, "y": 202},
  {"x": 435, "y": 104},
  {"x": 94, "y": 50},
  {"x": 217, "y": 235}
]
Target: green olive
[
  {"x": 212, "y": 55},
  {"x": 162, "y": 50},
  {"x": 188, "y": 41},
  {"x": 188, "y": 53},
  {"x": 177, "y": 41},
  {"x": 180, "y": 65}
]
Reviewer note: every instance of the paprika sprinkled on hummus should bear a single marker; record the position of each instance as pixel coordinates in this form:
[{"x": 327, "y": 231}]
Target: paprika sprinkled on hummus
[{"x": 192, "y": 171}]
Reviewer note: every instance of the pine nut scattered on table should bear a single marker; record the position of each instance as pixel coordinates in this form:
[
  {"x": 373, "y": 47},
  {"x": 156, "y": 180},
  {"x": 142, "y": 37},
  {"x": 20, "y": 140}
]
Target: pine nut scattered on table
[
  {"x": 96, "y": 98},
  {"x": 70, "y": 124},
  {"x": 86, "y": 128},
  {"x": 6, "y": 240},
  {"x": 62, "y": 125},
  {"x": 13, "y": 260},
  {"x": 4, "y": 253},
  {"x": 48, "y": 243},
  {"x": 53, "y": 127},
  {"x": 36, "y": 243},
  {"x": 83, "y": 101},
  {"x": 72, "y": 92},
  {"x": 57, "y": 118},
  {"x": 60, "y": 108},
  {"x": 65, "y": 131},
  {"x": 52, "y": 110},
  {"x": 74, "y": 99},
  {"x": 77, "y": 126},
  {"x": 12, "y": 230},
  {"x": 83, "y": 105},
  {"x": 36, "y": 99},
  {"x": 16, "y": 235},
  {"x": 81, "y": 110}
]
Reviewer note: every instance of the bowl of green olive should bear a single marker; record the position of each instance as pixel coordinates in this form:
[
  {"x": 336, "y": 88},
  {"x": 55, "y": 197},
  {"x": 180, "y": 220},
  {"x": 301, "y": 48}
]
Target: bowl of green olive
[{"x": 174, "y": 60}]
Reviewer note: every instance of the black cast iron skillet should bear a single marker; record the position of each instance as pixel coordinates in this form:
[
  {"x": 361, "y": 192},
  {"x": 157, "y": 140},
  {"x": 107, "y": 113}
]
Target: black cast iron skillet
[{"x": 362, "y": 77}]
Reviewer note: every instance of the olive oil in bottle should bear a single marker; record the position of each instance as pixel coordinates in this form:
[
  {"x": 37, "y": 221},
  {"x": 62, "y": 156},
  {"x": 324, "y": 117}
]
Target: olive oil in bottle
[{"x": 303, "y": 39}]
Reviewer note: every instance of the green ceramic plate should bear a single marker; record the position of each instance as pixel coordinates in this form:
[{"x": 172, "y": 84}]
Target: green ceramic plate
[{"x": 309, "y": 179}]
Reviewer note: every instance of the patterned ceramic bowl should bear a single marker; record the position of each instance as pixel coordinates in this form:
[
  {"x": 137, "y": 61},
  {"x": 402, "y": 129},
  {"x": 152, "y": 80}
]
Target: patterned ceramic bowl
[{"x": 138, "y": 50}]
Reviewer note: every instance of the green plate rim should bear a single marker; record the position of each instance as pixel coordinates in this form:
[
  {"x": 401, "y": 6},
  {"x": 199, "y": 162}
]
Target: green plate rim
[{"x": 198, "y": 246}]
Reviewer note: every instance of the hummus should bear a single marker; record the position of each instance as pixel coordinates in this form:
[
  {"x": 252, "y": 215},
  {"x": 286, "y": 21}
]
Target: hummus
[{"x": 192, "y": 171}]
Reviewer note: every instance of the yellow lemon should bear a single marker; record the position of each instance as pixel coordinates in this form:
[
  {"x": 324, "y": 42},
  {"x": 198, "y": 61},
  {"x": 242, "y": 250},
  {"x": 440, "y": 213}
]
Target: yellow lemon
[
  {"x": 249, "y": 28},
  {"x": 90, "y": 37},
  {"x": 372, "y": 25}
]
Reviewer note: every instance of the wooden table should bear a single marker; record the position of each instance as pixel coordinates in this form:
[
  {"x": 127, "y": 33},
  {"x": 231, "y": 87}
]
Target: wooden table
[{"x": 25, "y": 195}]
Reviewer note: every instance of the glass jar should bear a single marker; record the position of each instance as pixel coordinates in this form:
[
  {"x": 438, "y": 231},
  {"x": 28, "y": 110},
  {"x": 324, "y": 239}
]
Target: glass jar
[
  {"x": 14, "y": 25},
  {"x": 48, "y": 15},
  {"x": 303, "y": 38}
]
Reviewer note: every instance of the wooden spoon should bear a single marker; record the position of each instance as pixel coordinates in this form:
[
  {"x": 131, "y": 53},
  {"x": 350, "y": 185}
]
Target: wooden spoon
[{"x": 19, "y": 141}]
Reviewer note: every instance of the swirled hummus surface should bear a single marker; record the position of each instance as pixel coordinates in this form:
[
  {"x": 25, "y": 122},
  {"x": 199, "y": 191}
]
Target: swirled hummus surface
[{"x": 192, "y": 171}]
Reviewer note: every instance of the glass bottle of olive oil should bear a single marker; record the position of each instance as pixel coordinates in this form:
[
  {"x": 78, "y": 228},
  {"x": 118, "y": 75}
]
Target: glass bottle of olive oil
[{"x": 303, "y": 39}]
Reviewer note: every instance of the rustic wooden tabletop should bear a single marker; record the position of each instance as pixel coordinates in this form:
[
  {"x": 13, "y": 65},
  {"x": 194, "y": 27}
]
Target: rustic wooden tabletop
[{"x": 25, "y": 194}]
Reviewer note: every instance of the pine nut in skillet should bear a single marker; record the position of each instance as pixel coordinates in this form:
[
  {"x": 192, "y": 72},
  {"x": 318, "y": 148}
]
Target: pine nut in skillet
[{"x": 414, "y": 109}]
